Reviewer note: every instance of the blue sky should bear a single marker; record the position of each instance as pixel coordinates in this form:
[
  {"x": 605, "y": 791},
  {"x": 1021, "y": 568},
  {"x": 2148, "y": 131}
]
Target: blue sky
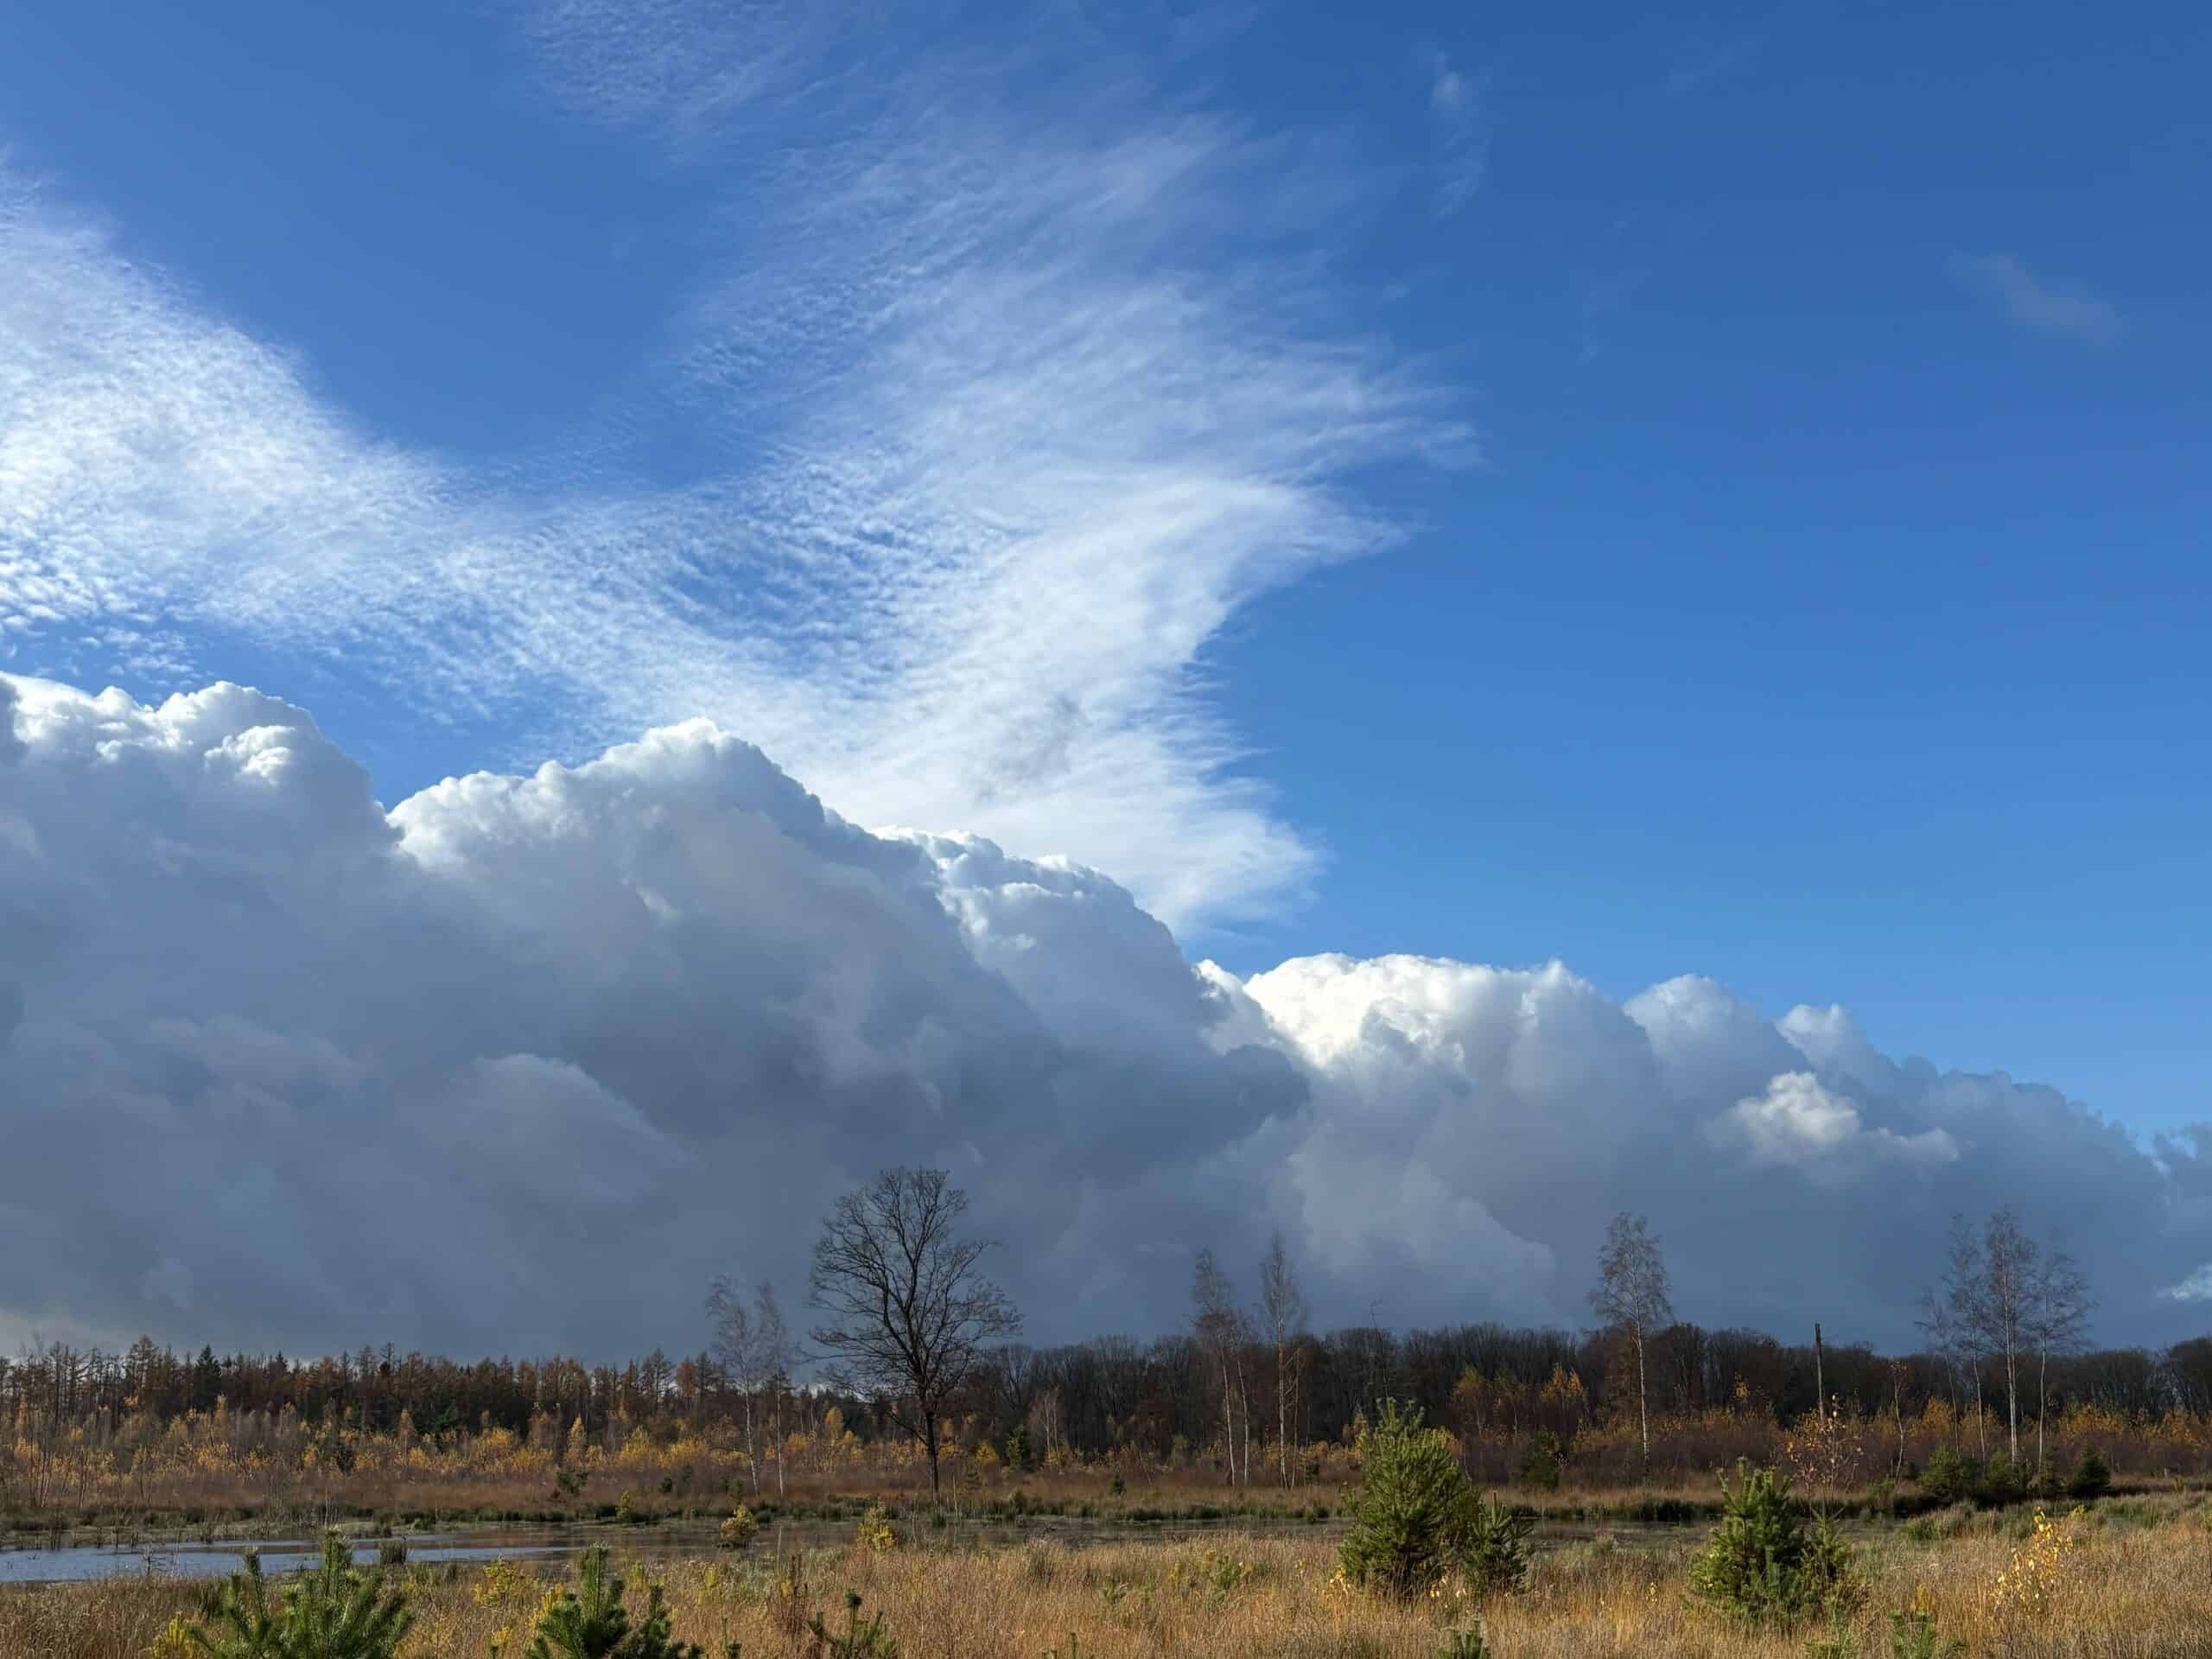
[{"x": 1713, "y": 492}]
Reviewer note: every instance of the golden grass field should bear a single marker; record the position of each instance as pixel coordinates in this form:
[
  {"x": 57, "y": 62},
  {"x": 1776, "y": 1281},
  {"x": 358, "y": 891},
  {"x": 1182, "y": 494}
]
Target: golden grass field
[{"x": 2133, "y": 1577}]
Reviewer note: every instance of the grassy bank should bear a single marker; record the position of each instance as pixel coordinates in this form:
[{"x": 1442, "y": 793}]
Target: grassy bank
[{"x": 2135, "y": 1578}]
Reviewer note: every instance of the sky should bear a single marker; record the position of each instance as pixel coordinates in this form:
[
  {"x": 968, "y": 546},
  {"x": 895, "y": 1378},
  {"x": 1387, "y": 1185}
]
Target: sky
[{"x": 1318, "y": 503}]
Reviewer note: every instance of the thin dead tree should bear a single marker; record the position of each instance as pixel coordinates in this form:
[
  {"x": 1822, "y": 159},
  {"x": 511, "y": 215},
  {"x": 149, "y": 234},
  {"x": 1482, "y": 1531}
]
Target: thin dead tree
[{"x": 906, "y": 1308}]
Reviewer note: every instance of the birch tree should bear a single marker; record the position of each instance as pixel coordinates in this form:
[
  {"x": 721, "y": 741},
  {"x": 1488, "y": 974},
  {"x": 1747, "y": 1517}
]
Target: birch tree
[
  {"x": 2058, "y": 1319},
  {"x": 1284, "y": 1305},
  {"x": 1632, "y": 1295},
  {"x": 1965, "y": 1297},
  {"x": 1219, "y": 1326},
  {"x": 2006, "y": 1306},
  {"x": 738, "y": 1350}
]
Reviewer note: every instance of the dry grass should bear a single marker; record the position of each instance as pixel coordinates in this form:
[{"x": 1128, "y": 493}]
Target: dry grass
[{"x": 2137, "y": 1583}]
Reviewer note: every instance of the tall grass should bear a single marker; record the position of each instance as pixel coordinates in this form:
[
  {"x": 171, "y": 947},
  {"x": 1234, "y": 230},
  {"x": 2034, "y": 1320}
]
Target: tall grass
[{"x": 2135, "y": 1584}]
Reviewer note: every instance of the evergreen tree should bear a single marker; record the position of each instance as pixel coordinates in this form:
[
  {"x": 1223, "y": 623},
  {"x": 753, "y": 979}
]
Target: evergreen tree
[{"x": 591, "y": 1622}]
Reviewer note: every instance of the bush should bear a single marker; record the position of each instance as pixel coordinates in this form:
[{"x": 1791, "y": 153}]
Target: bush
[
  {"x": 1413, "y": 1495},
  {"x": 335, "y": 1611},
  {"x": 2002, "y": 1483},
  {"x": 2091, "y": 1478},
  {"x": 874, "y": 1530},
  {"x": 1417, "y": 1518},
  {"x": 1913, "y": 1636},
  {"x": 1761, "y": 1564},
  {"x": 738, "y": 1528},
  {"x": 1951, "y": 1476},
  {"x": 1544, "y": 1461},
  {"x": 592, "y": 1623},
  {"x": 858, "y": 1640},
  {"x": 1492, "y": 1545}
]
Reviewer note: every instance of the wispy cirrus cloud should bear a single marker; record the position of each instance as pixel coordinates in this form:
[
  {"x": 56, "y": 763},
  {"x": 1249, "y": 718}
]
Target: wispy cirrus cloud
[
  {"x": 1007, "y": 406},
  {"x": 1461, "y": 134},
  {"x": 1697, "y": 74},
  {"x": 2036, "y": 305}
]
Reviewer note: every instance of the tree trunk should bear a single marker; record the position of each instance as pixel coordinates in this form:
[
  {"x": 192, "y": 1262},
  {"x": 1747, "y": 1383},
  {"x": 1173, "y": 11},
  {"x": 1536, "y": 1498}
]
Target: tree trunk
[
  {"x": 929, "y": 1437},
  {"x": 1282, "y": 1412},
  {"x": 1228, "y": 1422},
  {"x": 1642, "y": 1402},
  {"x": 2042, "y": 1404},
  {"x": 1244, "y": 1398},
  {"x": 2012, "y": 1404},
  {"x": 753, "y": 1440}
]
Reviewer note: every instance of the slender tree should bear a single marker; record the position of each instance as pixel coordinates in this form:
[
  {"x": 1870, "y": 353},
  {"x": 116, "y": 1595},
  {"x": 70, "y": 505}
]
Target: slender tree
[
  {"x": 735, "y": 1346},
  {"x": 1219, "y": 1326},
  {"x": 1966, "y": 1293},
  {"x": 2058, "y": 1319},
  {"x": 1632, "y": 1295},
  {"x": 2006, "y": 1305},
  {"x": 1936, "y": 1321},
  {"x": 906, "y": 1309},
  {"x": 753, "y": 1347},
  {"x": 778, "y": 1357},
  {"x": 1284, "y": 1308}
]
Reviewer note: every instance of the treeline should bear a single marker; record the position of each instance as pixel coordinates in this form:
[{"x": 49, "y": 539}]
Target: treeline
[{"x": 1158, "y": 1398}]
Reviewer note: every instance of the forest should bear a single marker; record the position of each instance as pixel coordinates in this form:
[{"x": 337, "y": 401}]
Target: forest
[
  {"x": 1245, "y": 1485},
  {"x": 1244, "y": 1394}
]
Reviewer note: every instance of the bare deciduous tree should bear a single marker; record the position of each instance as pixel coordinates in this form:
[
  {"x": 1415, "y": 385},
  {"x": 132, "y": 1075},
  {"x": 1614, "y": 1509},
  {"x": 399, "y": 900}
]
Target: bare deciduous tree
[
  {"x": 1965, "y": 1294},
  {"x": 2058, "y": 1319},
  {"x": 753, "y": 1349},
  {"x": 778, "y": 1357},
  {"x": 1632, "y": 1293},
  {"x": 2006, "y": 1305},
  {"x": 1284, "y": 1305},
  {"x": 907, "y": 1309},
  {"x": 1222, "y": 1332},
  {"x": 1942, "y": 1332}
]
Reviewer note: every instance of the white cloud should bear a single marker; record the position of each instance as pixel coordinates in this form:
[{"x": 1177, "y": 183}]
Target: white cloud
[
  {"x": 2035, "y": 304},
  {"x": 282, "y": 1066},
  {"x": 1008, "y": 408},
  {"x": 2197, "y": 1287},
  {"x": 1799, "y": 1123}
]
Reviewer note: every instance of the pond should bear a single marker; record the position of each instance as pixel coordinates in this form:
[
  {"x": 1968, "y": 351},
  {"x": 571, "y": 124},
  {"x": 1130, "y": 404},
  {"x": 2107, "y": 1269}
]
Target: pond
[
  {"x": 71, "y": 1563},
  {"x": 80, "y": 1560}
]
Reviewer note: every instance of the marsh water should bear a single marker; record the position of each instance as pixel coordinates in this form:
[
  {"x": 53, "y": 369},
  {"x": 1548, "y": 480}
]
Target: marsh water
[{"x": 80, "y": 1558}]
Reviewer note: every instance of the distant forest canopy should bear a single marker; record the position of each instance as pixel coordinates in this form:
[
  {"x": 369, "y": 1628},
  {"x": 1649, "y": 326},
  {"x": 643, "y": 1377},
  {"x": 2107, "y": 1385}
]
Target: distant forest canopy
[
  {"x": 914, "y": 1346},
  {"x": 1158, "y": 1398}
]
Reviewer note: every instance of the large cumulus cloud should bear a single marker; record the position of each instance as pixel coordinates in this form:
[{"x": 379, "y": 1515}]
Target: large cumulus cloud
[{"x": 519, "y": 1063}]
